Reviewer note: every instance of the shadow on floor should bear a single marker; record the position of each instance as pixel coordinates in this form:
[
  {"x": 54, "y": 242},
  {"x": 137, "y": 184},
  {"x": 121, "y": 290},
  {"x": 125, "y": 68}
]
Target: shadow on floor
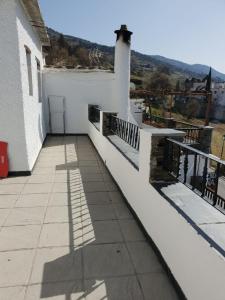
[{"x": 83, "y": 224}]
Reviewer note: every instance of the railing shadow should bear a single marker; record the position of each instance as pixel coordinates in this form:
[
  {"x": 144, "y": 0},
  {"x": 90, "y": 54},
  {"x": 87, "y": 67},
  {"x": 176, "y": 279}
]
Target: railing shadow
[{"x": 73, "y": 278}]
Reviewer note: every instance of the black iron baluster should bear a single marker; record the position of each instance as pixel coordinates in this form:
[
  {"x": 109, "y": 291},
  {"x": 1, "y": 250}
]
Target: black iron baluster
[
  {"x": 194, "y": 172},
  {"x": 129, "y": 133},
  {"x": 166, "y": 156},
  {"x": 185, "y": 165},
  {"x": 216, "y": 184},
  {"x": 204, "y": 177},
  {"x": 178, "y": 162},
  {"x": 132, "y": 136},
  {"x": 135, "y": 136}
]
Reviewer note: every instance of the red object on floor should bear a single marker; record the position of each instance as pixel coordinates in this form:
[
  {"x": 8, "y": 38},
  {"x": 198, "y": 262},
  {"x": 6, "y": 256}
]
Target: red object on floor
[{"x": 4, "y": 163}]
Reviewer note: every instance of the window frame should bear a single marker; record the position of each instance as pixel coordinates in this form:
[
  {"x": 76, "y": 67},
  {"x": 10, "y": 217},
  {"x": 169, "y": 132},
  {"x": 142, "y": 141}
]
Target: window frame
[
  {"x": 39, "y": 79},
  {"x": 29, "y": 70}
]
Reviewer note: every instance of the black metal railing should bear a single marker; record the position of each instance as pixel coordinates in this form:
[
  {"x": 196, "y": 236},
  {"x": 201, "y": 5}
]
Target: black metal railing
[
  {"x": 181, "y": 124},
  {"x": 192, "y": 132},
  {"x": 155, "y": 120},
  {"x": 192, "y": 135},
  {"x": 194, "y": 168},
  {"x": 127, "y": 131},
  {"x": 94, "y": 113}
]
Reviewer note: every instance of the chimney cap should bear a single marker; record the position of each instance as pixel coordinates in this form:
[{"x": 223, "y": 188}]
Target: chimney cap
[{"x": 124, "y": 32}]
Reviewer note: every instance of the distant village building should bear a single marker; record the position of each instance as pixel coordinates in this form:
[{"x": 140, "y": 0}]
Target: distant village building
[{"x": 218, "y": 97}]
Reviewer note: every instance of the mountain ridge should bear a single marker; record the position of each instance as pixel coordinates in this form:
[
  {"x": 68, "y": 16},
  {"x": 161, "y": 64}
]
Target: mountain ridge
[{"x": 139, "y": 61}]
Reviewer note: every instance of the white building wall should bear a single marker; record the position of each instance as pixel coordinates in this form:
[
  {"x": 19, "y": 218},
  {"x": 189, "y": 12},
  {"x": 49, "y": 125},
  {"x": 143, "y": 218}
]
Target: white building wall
[
  {"x": 11, "y": 108},
  {"x": 122, "y": 72},
  {"x": 33, "y": 109},
  {"x": 79, "y": 89}
]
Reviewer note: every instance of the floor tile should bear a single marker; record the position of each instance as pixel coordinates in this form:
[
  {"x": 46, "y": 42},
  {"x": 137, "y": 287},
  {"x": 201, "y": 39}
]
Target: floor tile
[
  {"x": 41, "y": 179},
  {"x": 94, "y": 186},
  {"x": 56, "y": 264},
  {"x": 131, "y": 230},
  {"x": 89, "y": 170},
  {"x": 120, "y": 288},
  {"x": 92, "y": 177},
  {"x": 96, "y": 198},
  {"x": 11, "y": 189},
  {"x": 111, "y": 186},
  {"x": 59, "y": 214},
  {"x": 25, "y": 216},
  {"x": 44, "y": 171},
  {"x": 101, "y": 232},
  {"x": 66, "y": 178},
  {"x": 72, "y": 290},
  {"x": 98, "y": 212},
  {"x": 32, "y": 200},
  {"x": 144, "y": 258},
  {"x": 15, "y": 267},
  {"x": 8, "y": 201},
  {"x": 61, "y": 234},
  {"x": 3, "y": 215},
  {"x": 19, "y": 237},
  {"x": 14, "y": 180},
  {"x": 90, "y": 163},
  {"x": 157, "y": 287},
  {"x": 116, "y": 197},
  {"x": 68, "y": 187},
  {"x": 122, "y": 211},
  {"x": 63, "y": 199},
  {"x": 106, "y": 260},
  {"x": 37, "y": 188},
  {"x": 12, "y": 293}
]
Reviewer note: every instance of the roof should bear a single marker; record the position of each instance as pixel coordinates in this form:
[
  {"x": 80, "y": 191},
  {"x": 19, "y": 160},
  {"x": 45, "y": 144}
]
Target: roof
[{"x": 33, "y": 10}]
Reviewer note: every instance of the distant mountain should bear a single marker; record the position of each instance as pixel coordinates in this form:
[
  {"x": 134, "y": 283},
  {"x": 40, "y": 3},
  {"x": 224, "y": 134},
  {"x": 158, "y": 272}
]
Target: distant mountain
[
  {"x": 195, "y": 68},
  {"x": 80, "y": 52}
]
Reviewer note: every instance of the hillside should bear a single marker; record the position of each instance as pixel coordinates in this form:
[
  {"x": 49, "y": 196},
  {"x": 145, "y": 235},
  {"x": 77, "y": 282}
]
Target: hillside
[{"x": 74, "y": 52}]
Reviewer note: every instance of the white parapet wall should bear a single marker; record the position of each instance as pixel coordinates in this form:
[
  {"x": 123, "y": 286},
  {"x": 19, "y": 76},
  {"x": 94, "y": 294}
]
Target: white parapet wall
[{"x": 197, "y": 267}]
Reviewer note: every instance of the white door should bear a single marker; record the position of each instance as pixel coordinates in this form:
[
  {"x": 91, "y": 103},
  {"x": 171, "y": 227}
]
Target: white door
[{"x": 57, "y": 114}]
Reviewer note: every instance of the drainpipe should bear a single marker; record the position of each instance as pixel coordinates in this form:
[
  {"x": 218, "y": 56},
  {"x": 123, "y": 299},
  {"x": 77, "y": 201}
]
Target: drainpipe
[{"x": 122, "y": 71}]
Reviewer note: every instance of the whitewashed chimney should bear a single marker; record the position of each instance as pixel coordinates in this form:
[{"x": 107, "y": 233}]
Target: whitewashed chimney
[{"x": 122, "y": 71}]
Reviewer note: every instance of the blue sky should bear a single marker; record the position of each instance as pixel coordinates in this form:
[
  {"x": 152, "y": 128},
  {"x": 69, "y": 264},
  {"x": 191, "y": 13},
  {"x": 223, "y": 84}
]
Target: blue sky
[{"x": 192, "y": 31}]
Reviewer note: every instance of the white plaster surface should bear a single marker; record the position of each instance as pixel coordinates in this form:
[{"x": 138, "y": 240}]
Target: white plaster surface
[
  {"x": 122, "y": 72},
  {"x": 33, "y": 109},
  {"x": 21, "y": 121},
  {"x": 128, "y": 151},
  {"x": 79, "y": 89},
  {"x": 11, "y": 107}
]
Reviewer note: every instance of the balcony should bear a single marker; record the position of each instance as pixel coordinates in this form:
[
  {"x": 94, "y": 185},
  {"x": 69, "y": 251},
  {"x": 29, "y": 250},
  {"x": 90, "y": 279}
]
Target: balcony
[
  {"x": 106, "y": 216},
  {"x": 67, "y": 232}
]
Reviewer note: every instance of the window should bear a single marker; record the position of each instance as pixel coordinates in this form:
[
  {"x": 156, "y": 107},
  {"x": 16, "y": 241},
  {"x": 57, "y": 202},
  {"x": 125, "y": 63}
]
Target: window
[
  {"x": 39, "y": 81},
  {"x": 29, "y": 70}
]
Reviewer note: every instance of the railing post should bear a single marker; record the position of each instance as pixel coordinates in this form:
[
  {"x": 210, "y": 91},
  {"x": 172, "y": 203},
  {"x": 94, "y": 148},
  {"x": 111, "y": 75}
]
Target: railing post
[
  {"x": 157, "y": 139},
  {"x": 107, "y": 122},
  {"x": 205, "y": 138}
]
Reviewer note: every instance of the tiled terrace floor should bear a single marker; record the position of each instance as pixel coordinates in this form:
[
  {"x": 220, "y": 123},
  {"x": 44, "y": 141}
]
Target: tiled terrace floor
[{"x": 66, "y": 233}]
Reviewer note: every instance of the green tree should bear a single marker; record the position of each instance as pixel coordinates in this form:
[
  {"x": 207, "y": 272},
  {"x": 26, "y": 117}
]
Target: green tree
[
  {"x": 192, "y": 108},
  {"x": 62, "y": 42}
]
